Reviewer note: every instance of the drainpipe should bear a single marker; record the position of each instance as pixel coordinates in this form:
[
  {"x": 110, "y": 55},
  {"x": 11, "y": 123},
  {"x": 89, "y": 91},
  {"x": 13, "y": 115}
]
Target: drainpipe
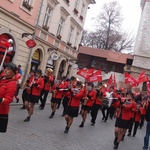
[{"x": 33, "y": 38}]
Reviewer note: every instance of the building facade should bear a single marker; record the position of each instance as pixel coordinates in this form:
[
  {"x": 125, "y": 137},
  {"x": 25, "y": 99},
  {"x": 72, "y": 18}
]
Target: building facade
[{"x": 56, "y": 27}]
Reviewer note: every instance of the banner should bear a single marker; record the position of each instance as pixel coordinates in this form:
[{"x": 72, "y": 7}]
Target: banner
[
  {"x": 110, "y": 80},
  {"x": 96, "y": 77},
  {"x": 130, "y": 79},
  {"x": 141, "y": 78},
  {"x": 85, "y": 72}
]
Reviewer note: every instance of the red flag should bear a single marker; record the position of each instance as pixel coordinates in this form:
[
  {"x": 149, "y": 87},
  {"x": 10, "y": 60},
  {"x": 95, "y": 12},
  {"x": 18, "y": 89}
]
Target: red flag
[
  {"x": 85, "y": 72},
  {"x": 115, "y": 83},
  {"x": 130, "y": 79},
  {"x": 141, "y": 78},
  {"x": 97, "y": 76},
  {"x": 148, "y": 85},
  {"x": 110, "y": 80}
]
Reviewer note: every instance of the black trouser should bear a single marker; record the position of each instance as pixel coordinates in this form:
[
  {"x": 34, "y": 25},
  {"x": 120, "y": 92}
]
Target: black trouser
[
  {"x": 142, "y": 121},
  {"x": 111, "y": 112},
  {"x": 130, "y": 125},
  {"x": 43, "y": 97},
  {"x": 94, "y": 112},
  {"x": 3, "y": 122},
  {"x": 105, "y": 114},
  {"x": 24, "y": 93},
  {"x": 136, "y": 124},
  {"x": 65, "y": 104}
]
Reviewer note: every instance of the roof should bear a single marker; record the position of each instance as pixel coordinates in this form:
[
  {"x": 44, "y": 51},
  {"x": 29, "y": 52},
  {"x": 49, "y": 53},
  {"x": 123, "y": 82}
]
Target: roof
[{"x": 109, "y": 55}]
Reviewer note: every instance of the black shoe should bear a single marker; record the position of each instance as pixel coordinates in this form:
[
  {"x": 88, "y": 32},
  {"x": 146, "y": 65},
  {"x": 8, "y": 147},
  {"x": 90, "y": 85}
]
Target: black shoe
[
  {"x": 116, "y": 145},
  {"x": 92, "y": 124},
  {"x": 27, "y": 119},
  {"x": 23, "y": 107},
  {"x": 128, "y": 134},
  {"x": 41, "y": 108},
  {"x": 66, "y": 130},
  {"x": 81, "y": 125},
  {"x": 52, "y": 115},
  {"x": 17, "y": 100},
  {"x": 133, "y": 135},
  {"x": 105, "y": 120}
]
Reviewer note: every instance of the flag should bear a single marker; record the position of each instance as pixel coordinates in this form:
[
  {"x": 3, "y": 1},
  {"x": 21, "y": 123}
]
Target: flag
[
  {"x": 110, "y": 80},
  {"x": 148, "y": 85},
  {"x": 141, "y": 78},
  {"x": 85, "y": 72},
  {"x": 115, "y": 83},
  {"x": 96, "y": 77},
  {"x": 130, "y": 79}
]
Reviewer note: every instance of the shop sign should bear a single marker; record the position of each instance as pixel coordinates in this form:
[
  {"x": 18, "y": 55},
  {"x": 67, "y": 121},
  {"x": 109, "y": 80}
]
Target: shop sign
[{"x": 30, "y": 43}]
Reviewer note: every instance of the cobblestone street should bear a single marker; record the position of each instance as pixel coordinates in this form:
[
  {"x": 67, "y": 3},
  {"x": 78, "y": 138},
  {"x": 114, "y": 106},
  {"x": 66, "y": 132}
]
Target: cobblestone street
[{"x": 42, "y": 133}]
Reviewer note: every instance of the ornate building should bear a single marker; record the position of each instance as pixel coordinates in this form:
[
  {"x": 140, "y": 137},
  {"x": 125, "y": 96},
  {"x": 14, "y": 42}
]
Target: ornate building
[{"x": 56, "y": 27}]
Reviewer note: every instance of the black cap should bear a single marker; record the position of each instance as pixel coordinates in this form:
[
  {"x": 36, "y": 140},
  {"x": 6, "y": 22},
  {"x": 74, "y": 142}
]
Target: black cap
[
  {"x": 12, "y": 66},
  {"x": 39, "y": 71}
]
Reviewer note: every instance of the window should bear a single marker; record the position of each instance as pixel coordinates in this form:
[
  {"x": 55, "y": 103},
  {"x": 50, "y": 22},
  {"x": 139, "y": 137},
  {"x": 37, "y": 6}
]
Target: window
[
  {"x": 76, "y": 39},
  {"x": 47, "y": 16},
  {"x": 70, "y": 34},
  {"x": 82, "y": 10},
  {"x": 60, "y": 26},
  {"x": 76, "y": 4},
  {"x": 27, "y": 4}
]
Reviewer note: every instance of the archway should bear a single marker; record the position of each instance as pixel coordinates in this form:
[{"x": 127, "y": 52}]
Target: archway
[
  {"x": 61, "y": 68},
  {"x": 36, "y": 60}
]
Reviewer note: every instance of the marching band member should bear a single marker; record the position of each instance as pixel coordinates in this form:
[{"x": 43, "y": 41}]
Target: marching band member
[
  {"x": 97, "y": 105},
  {"x": 18, "y": 80},
  {"x": 27, "y": 85},
  {"x": 36, "y": 85},
  {"x": 106, "y": 109},
  {"x": 144, "y": 104},
  {"x": 137, "y": 117},
  {"x": 7, "y": 91},
  {"x": 123, "y": 108},
  {"x": 66, "y": 97},
  {"x": 48, "y": 81},
  {"x": 132, "y": 113},
  {"x": 56, "y": 96},
  {"x": 88, "y": 100},
  {"x": 73, "y": 105}
]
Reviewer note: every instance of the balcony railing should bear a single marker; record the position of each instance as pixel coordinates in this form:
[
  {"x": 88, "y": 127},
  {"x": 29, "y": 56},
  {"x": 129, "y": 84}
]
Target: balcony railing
[{"x": 27, "y": 5}]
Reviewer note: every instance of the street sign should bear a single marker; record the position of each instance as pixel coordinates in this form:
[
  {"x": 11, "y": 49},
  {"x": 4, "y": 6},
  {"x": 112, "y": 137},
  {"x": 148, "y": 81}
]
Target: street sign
[{"x": 30, "y": 43}]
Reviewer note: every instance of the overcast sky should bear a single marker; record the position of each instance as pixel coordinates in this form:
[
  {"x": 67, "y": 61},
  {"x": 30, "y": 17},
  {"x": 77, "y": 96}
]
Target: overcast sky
[{"x": 131, "y": 12}]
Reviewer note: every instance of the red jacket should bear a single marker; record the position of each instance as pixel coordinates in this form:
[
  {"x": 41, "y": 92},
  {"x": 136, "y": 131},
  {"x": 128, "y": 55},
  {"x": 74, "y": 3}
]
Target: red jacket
[
  {"x": 7, "y": 92},
  {"x": 37, "y": 86},
  {"x": 92, "y": 97},
  {"x": 75, "y": 99},
  {"x": 138, "y": 114},
  {"x": 56, "y": 93},
  {"x": 133, "y": 110},
  {"x": 98, "y": 101},
  {"x": 124, "y": 110},
  {"x": 48, "y": 82}
]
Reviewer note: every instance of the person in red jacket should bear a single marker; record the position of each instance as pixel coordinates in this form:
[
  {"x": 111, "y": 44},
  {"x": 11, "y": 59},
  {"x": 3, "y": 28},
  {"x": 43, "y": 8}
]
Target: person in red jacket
[
  {"x": 7, "y": 91},
  {"x": 18, "y": 80},
  {"x": 56, "y": 96},
  {"x": 73, "y": 105},
  {"x": 123, "y": 108},
  {"x": 89, "y": 98},
  {"x": 36, "y": 85},
  {"x": 27, "y": 87},
  {"x": 97, "y": 105},
  {"x": 48, "y": 80}
]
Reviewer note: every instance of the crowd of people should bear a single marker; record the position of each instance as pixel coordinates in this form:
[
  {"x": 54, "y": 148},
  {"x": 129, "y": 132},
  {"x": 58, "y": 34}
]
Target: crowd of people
[{"x": 77, "y": 98}]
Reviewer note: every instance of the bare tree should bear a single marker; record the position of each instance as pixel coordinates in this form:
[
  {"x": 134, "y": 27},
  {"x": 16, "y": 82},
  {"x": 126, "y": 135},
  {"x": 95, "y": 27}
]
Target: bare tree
[{"x": 108, "y": 34}]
